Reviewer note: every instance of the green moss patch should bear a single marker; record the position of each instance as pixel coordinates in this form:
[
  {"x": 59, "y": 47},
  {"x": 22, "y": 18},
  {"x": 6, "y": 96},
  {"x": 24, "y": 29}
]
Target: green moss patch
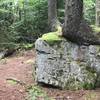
[{"x": 52, "y": 37}]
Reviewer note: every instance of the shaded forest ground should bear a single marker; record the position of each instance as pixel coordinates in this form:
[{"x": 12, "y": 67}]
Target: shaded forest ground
[{"x": 16, "y": 76}]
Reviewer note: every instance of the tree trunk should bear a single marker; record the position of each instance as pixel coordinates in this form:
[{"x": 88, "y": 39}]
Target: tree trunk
[
  {"x": 73, "y": 16},
  {"x": 52, "y": 14},
  {"x": 98, "y": 12},
  {"x": 75, "y": 28}
]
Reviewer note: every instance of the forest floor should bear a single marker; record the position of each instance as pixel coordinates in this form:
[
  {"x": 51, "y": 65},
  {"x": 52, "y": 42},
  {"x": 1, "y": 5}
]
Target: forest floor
[{"x": 16, "y": 75}]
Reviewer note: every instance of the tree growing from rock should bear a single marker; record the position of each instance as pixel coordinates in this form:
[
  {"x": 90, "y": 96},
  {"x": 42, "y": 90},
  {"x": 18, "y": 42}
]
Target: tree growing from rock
[
  {"x": 73, "y": 17},
  {"x": 75, "y": 28}
]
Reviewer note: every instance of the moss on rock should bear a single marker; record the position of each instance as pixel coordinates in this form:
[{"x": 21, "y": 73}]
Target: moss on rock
[{"x": 52, "y": 37}]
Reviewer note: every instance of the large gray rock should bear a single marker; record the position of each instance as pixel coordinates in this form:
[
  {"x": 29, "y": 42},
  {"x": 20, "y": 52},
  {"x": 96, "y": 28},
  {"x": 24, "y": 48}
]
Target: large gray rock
[{"x": 67, "y": 65}]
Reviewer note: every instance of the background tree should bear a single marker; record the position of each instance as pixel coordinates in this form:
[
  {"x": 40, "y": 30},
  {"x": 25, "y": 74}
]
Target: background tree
[
  {"x": 98, "y": 12},
  {"x": 52, "y": 15}
]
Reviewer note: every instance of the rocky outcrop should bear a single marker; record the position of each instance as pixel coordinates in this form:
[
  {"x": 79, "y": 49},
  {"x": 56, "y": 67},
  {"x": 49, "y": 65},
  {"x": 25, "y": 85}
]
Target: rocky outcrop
[{"x": 67, "y": 65}]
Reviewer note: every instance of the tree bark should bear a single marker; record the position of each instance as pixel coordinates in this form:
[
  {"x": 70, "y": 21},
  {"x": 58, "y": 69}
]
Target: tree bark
[{"x": 73, "y": 17}]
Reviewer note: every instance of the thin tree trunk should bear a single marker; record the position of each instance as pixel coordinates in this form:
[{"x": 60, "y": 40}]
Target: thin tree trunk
[
  {"x": 97, "y": 12},
  {"x": 52, "y": 15}
]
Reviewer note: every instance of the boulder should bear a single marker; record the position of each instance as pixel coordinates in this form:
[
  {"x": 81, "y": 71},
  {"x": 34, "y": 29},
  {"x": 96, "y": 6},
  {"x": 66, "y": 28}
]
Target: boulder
[{"x": 66, "y": 65}]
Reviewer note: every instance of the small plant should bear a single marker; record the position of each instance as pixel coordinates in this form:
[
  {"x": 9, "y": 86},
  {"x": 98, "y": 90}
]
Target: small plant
[
  {"x": 91, "y": 96},
  {"x": 36, "y": 93}
]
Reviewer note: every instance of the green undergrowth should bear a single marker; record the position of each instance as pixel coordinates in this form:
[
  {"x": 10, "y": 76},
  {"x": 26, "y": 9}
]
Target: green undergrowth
[
  {"x": 26, "y": 46},
  {"x": 36, "y": 93},
  {"x": 52, "y": 37}
]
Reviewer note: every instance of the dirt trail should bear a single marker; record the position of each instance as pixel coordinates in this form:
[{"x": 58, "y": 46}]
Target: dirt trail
[{"x": 16, "y": 68}]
